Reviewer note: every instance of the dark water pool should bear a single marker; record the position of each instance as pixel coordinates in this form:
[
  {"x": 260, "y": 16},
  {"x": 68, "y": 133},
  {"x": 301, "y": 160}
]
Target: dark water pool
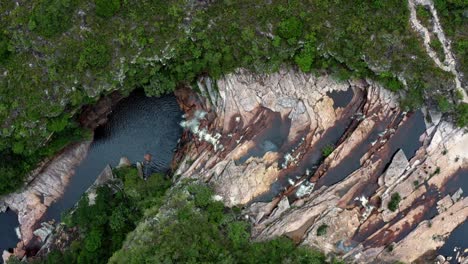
[
  {"x": 459, "y": 236},
  {"x": 341, "y": 98},
  {"x": 8, "y": 238},
  {"x": 138, "y": 125}
]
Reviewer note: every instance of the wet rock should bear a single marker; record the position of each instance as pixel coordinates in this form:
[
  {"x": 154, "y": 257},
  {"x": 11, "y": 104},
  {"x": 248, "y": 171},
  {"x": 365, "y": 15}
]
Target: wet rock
[
  {"x": 105, "y": 176},
  {"x": 140, "y": 170},
  {"x": 44, "y": 232},
  {"x": 457, "y": 195},
  {"x": 440, "y": 259},
  {"x": 95, "y": 115},
  {"x": 3, "y": 207},
  {"x": 20, "y": 250},
  {"x": 6, "y": 255}
]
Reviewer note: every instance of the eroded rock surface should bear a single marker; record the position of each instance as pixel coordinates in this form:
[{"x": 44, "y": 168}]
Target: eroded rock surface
[{"x": 277, "y": 171}]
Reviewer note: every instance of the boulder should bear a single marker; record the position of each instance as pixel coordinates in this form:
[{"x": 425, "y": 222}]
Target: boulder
[
  {"x": 124, "y": 162},
  {"x": 6, "y": 255},
  {"x": 395, "y": 170},
  {"x": 44, "y": 232}
]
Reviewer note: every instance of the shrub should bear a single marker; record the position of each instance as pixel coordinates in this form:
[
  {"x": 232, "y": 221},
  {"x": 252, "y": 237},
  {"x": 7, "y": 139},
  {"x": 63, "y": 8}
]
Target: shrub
[
  {"x": 94, "y": 55},
  {"x": 107, "y": 8},
  {"x": 4, "y": 52},
  {"x": 290, "y": 28},
  {"x": 443, "y": 104},
  {"x": 9, "y": 179},
  {"x": 306, "y": 56},
  {"x": 394, "y": 202},
  {"x": 327, "y": 150},
  {"x": 202, "y": 194},
  {"x": 322, "y": 230},
  {"x": 51, "y": 17},
  {"x": 462, "y": 115}
]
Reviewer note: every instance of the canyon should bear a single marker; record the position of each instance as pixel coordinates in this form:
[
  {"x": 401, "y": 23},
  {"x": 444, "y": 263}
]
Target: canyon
[
  {"x": 308, "y": 157},
  {"x": 259, "y": 140}
]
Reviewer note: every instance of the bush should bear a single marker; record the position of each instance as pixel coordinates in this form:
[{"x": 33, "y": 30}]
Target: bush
[
  {"x": 327, "y": 150},
  {"x": 322, "y": 230},
  {"x": 394, "y": 202},
  {"x": 462, "y": 115},
  {"x": 443, "y": 104},
  {"x": 290, "y": 28},
  {"x": 107, "y": 8},
  {"x": 4, "y": 52},
  {"x": 51, "y": 17},
  {"x": 306, "y": 56},
  {"x": 94, "y": 56},
  {"x": 9, "y": 179}
]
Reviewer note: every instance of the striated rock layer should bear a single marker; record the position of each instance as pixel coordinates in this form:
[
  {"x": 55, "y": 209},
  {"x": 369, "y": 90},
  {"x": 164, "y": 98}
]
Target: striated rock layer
[
  {"x": 32, "y": 201},
  {"x": 259, "y": 140}
]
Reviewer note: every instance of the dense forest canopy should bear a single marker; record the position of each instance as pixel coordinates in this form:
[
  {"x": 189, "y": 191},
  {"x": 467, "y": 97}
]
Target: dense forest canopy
[{"x": 58, "y": 55}]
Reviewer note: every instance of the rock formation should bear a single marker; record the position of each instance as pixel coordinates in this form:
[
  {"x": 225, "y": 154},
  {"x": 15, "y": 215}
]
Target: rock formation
[
  {"x": 268, "y": 156},
  {"x": 95, "y": 115}
]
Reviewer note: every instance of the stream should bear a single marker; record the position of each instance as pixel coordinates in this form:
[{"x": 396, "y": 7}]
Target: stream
[{"x": 137, "y": 125}]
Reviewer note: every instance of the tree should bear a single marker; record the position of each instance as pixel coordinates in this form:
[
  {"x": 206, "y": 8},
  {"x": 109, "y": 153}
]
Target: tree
[
  {"x": 107, "y": 8},
  {"x": 94, "y": 56},
  {"x": 290, "y": 28},
  {"x": 159, "y": 84},
  {"x": 443, "y": 104},
  {"x": 4, "y": 52},
  {"x": 51, "y": 17},
  {"x": 93, "y": 240},
  {"x": 307, "y": 54}
]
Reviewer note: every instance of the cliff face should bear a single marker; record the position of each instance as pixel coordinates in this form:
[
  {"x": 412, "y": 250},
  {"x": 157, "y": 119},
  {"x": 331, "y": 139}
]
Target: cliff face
[{"x": 261, "y": 140}]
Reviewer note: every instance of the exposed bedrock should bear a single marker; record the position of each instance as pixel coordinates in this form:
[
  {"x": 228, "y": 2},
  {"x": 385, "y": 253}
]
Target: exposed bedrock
[{"x": 260, "y": 141}]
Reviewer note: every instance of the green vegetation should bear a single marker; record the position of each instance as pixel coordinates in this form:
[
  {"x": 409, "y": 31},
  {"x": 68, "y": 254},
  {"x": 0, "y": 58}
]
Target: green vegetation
[
  {"x": 58, "y": 55},
  {"x": 116, "y": 211},
  {"x": 107, "y": 8},
  {"x": 443, "y": 104},
  {"x": 455, "y": 24},
  {"x": 394, "y": 202},
  {"x": 93, "y": 56},
  {"x": 182, "y": 225},
  {"x": 424, "y": 16},
  {"x": 4, "y": 52},
  {"x": 51, "y": 17},
  {"x": 436, "y": 45},
  {"x": 193, "y": 228},
  {"x": 327, "y": 150},
  {"x": 462, "y": 115},
  {"x": 322, "y": 230}
]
